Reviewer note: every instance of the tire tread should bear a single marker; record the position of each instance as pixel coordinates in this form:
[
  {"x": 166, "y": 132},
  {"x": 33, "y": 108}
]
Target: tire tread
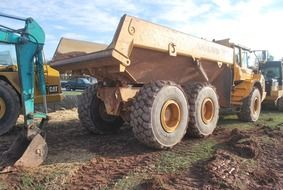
[
  {"x": 13, "y": 95},
  {"x": 141, "y": 110},
  {"x": 193, "y": 90}
]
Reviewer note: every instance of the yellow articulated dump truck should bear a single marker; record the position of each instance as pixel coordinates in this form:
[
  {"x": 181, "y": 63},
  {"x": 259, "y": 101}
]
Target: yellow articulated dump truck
[{"x": 164, "y": 83}]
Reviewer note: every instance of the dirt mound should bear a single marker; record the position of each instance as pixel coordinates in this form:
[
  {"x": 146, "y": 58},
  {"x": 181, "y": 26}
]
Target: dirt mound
[
  {"x": 243, "y": 144},
  {"x": 102, "y": 172},
  {"x": 265, "y": 178},
  {"x": 223, "y": 169},
  {"x": 243, "y": 162}
]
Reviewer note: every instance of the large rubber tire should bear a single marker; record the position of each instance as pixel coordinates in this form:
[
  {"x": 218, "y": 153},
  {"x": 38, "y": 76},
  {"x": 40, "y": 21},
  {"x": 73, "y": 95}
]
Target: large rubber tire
[
  {"x": 146, "y": 114},
  {"x": 280, "y": 104},
  {"x": 91, "y": 116},
  {"x": 10, "y": 109},
  {"x": 204, "y": 109},
  {"x": 251, "y": 107}
]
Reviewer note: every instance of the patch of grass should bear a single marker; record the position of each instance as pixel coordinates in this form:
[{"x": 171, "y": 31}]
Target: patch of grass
[
  {"x": 172, "y": 161},
  {"x": 72, "y": 93},
  {"x": 29, "y": 182},
  {"x": 232, "y": 121},
  {"x": 130, "y": 181},
  {"x": 3, "y": 186},
  {"x": 266, "y": 140},
  {"x": 47, "y": 177},
  {"x": 56, "y": 176},
  {"x": 137, "y": 181},
  {"x": 272, "y": 119}
]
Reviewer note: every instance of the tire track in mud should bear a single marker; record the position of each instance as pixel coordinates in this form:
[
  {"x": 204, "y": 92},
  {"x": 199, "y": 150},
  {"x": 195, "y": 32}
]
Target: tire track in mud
[
  {"x": 116, "y": 157},
  {"x": 120, "y": 157},
  {"x": 244, "y": 161},
  {"x": 102, "y": 172},
  {"x": 147, "y": 167},
  {"x": 113, "y": 161},
  {"x": 272, "y": 159},
  {"x": 280, "y": 157}
]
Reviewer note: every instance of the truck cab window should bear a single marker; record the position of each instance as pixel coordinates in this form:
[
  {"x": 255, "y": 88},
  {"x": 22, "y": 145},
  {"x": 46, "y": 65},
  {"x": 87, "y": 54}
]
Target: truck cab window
[
  {"x": 244, "y": 60},
  {"x": 80, "y": 81},
  {"x": 7, "y": 55},
  {"x": 249, "y": 60},
  {"x": 272, "y": 73},
  {"x": 237, "y": 56}
]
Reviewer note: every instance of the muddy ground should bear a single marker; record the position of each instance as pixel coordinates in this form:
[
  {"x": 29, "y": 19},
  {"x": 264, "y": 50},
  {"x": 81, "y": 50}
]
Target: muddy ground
[{"x": 237, "y": 156}]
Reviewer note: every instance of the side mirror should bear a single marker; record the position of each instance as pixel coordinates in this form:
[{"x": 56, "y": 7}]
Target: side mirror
[
  {"x": 237, "y": 60},
  {"x": 264, "y": 56}
]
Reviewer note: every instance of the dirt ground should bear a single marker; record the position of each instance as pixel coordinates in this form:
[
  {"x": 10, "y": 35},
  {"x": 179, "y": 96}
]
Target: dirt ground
[{"x": 237, "y": 156}]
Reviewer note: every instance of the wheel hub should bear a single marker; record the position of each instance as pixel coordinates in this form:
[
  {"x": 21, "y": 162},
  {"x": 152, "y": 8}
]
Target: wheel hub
[
  {"x": 207, "y": 110},
  {"x": 170, "y": 116},
  {"x": 2, "y": 108},
  {"x": 256, "y": 105}
]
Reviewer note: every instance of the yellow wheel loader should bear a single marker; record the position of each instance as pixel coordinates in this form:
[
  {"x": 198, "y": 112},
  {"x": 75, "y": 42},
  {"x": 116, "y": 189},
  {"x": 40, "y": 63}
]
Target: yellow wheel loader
[
  {"x": 10, "y": 105},
  {"x": 273, "y": 73},
  {"x": 164, "y": 83}
]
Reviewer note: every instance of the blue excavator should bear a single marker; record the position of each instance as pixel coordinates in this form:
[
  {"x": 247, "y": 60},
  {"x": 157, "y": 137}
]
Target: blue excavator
[{"x": 29, "y": 148}]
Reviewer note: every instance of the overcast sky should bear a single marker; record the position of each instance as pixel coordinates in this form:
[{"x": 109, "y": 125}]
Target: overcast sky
[{"x": 253, "y": 23}]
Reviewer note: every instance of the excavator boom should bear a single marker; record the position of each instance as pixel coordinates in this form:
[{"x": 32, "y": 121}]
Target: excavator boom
[{"x": 28, "y": 42}]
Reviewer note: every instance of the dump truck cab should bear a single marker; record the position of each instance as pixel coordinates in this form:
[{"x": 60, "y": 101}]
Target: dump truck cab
[
  {"x": 246, "y": 75},
  {"x": 249, "y": 84}
]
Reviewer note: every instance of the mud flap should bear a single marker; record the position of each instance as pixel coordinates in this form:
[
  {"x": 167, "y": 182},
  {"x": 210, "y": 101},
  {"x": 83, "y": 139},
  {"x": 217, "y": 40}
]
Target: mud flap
[{"x": 25, "y": 152}]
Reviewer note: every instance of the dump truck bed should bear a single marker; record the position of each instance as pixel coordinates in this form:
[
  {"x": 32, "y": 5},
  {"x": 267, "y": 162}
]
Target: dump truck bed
[{"x": 141, "y": 52}]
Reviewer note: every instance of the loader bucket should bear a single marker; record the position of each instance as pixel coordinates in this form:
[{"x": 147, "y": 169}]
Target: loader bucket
[{"x": 25, "y": 152}]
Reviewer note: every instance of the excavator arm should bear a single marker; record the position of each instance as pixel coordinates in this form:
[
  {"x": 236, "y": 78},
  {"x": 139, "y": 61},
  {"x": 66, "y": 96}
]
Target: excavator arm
[{"x": 29, "y": 148}]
